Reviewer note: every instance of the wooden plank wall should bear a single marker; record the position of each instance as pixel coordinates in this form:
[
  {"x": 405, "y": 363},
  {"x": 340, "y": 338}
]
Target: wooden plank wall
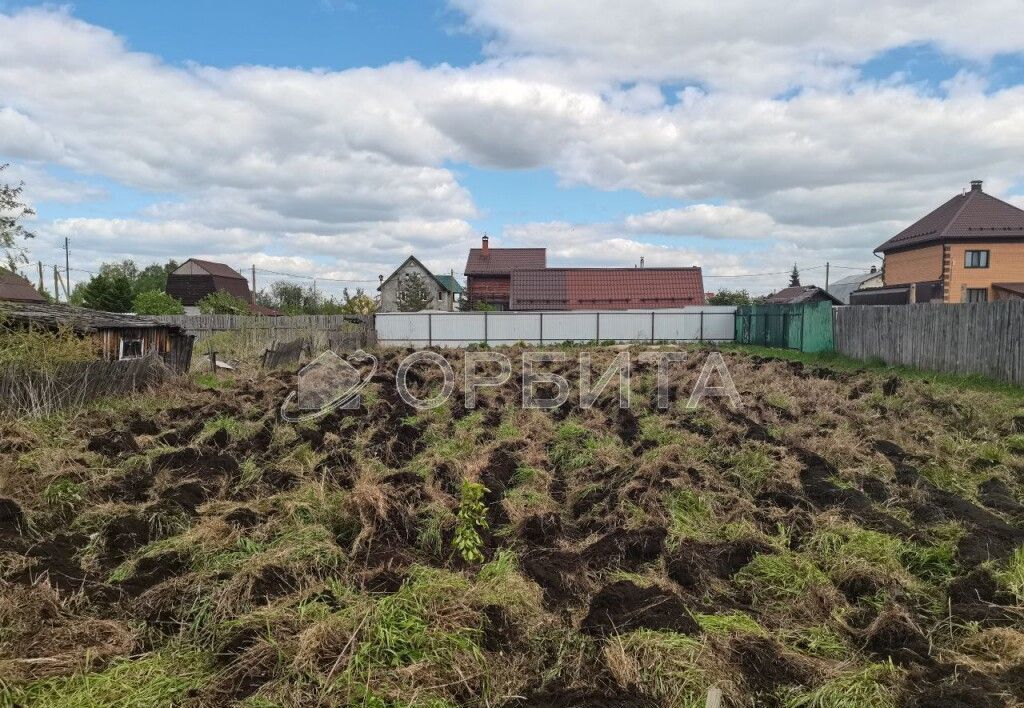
[
  {"x": 273, "y": 327},
  {"x": 975, "y": 338}
]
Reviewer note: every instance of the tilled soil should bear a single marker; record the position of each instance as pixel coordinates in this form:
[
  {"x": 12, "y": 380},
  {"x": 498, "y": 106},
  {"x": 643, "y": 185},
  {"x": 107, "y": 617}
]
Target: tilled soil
[{"x": 841, "y": 536}]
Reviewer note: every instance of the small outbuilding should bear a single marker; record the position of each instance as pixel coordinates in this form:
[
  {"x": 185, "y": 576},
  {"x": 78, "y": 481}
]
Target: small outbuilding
[
  {"x": 195, "y": 279},
  {"x": 117, "y": 336},
  {"x": 801, "y": 295}
]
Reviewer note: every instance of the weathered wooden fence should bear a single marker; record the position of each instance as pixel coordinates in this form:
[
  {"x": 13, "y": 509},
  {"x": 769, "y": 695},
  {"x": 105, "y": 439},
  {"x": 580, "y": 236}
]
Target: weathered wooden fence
[
  {"x": 280, "y": 328},
  {"x": 977, "y": 338},
  {"x": 26, "y": 392}
]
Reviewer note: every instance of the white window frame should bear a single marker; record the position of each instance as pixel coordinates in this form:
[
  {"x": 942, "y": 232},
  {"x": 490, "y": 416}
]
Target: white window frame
[{"x": 142, "y": 348}]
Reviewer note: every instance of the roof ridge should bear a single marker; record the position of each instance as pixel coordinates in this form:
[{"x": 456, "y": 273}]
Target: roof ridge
[{"x": 967, "y": 200}]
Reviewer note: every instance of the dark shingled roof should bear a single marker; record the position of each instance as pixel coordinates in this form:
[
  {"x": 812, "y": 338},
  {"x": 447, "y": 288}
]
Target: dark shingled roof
[
  {"x": 972, "y": 216},
  {"x": 190, "y": 289},
  {"x": 79, "y": 319},
  {"x": 219, "y": 270},
  {"x": 605, "y": 288},
  {"x": 1014, "y": 288},
  {"x": 17, "y": 289},
  {"x": 800, "y": 294},
  {"x": 502, "y": 261}
]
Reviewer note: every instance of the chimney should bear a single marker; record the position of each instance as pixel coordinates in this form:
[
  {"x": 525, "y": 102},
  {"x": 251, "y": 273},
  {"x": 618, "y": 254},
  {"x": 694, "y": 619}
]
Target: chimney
[
  {"x": 975, "y": 185},
  {"x": 381, "y": 279},
  {"x": 874, "y": 269},
  {"x": 641, "y": 261},
  {"x": 483, "y": 246}
]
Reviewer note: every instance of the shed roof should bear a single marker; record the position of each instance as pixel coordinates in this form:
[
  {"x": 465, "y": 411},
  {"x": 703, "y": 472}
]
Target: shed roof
[
  {"x": 842, "y": 288},
  {"x": 15, "y": 288},
  {"x": 1012, "y": 288},
  {"x": 800, "y": 294},
  {"x": 605, "y": 288},
  {"x": 971, "y": 216},
  {"x": 502, "y": 261},
  {"x": 79, "y": 319}
]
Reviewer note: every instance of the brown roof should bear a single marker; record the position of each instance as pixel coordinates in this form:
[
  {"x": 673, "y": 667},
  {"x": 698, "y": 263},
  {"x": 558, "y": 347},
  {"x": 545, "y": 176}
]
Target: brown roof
[
  {"x": 17, "y": 289},
  {"x": 502, "y": 261},
  {"x": 1014, "y": 288},
  {"x": 79, "y": 319},
  {"x": 799, "y": 294},
  {"x": 971, "y": 216},
  {"x": 219, "y": 270},
  {"x": 605, "y": 288}
]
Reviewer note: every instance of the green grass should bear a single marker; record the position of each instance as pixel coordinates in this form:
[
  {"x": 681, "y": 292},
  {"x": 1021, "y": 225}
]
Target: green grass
[
  {"x": 832, "y": 360},
  {"x": 574, "y": 447},
  {"x": 1011, "y": 577},
  {"x": 817, "y": 640},
  {"x": 780, "y": 578},
  {"x": 161, "y": 678},
  {"x": 870, "y": 687},
  {"x": 729, "y": 623},
  {"x": 689, "y": 515},
  {"x": 663, "y": 665}
]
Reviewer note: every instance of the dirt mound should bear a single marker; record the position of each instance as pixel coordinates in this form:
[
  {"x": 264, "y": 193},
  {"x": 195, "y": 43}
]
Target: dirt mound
[
  {"x": 624, "y": 606},
  {"x": 694, "y": 562},
  {"x": 12, "y": 519},
  {"x": 628, "y": 549},
  {"x": 583, "y": 699}
]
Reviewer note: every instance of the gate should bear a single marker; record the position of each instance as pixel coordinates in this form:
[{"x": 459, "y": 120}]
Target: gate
[{"x": 805, "y": 328}]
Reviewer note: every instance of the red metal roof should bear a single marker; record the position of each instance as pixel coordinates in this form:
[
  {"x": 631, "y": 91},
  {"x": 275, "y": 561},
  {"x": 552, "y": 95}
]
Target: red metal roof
[
  {"x": 606, "y": 288},
  {"x": 14, "y": 288},
  {"x": 974, "y": 215},
  {"x": 502, "y": 261}
]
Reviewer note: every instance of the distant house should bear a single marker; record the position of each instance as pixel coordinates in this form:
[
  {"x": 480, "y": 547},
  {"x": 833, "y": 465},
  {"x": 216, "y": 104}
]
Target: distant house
[
  {"x": 489, "y": 272},
  {"x": 605, "y": 288},
  {"x": 800, "y": 295},
  {"x": 117, "y": 336},
  {"x": 444, "y": 289},
  {"x": 14, "y": 288},
  {"x": 970, "y": 249},
  {"x": 195, "y": 279},
  {"x": 842, "y": 288}
]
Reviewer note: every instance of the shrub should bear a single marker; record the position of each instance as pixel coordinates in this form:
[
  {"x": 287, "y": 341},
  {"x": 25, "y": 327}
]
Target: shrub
[
  {"x": 471, "y": 518},
  {"x": 155, "y": 302},
  {"x": 43, "y": 350},
  {"x": 223, "y": 303}
]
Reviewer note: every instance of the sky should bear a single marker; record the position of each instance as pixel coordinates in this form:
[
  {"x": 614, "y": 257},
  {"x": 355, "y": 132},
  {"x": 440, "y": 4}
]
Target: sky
[{"x": 333, "y": 138}]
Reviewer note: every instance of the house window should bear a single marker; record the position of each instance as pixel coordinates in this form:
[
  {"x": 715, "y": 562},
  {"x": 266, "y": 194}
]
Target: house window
[
  {"x": 976, "y": 294},
  {"x": 131, "y": 348},
  {"x": 976, "y": 259}
]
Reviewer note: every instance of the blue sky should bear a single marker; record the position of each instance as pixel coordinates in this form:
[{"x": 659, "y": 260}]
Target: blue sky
[{"x": 331, "y": 138}]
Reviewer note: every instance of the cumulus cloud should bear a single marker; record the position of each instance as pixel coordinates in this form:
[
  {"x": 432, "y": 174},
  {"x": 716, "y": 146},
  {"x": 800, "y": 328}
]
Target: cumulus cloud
[{"x": 349, "y": 171}]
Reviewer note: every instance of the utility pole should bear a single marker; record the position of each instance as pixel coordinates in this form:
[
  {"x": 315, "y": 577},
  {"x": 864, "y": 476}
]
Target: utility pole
[
  {"x": 41, "y": 288},
  {"x": 254, "y": 284},
  {"x": 67, "y": 271},
  {"x": 827, "y": 264},
  {"x": 56, "y": 284}
]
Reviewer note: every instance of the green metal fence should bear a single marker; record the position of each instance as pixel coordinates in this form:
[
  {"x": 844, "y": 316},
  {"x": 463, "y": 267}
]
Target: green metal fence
[{"x": 807, "y": 328}]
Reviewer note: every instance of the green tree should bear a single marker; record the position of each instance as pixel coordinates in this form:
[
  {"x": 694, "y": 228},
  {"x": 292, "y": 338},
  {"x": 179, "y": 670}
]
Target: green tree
[
  {"x": 794, "y": 277},
  {"x": 358, "y": 304},
  {"x": 730, "y": 297},
  {"x": 223, "y": 303},
  {"x": 12, "y": 232},
  {"x": 110, "y": 291},
  {"x": 413, "y": 294},
  {"x": 154, "y": 277},
  {"x": 156, "y": 302}
]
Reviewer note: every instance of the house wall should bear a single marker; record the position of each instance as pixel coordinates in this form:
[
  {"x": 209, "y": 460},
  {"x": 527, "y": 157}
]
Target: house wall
[
  {"x": 489, "y": 288},
  {"x": 441, "y": 299},
  {"x": 1005, "y": 265},
  {"x": 913, "y": 266}
]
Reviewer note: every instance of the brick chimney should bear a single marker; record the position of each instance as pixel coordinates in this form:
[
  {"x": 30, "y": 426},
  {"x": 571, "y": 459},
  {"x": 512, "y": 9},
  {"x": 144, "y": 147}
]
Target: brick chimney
[
  {"x": 975, "y": 185},
  {"x": 483, "y": 246}
]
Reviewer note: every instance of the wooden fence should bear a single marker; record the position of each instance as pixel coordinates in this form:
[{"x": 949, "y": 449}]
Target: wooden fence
[
  {"x": 273, "y": 327},
  {"x": 25, "y": 392},
  {"x": 977, "y": 338}
]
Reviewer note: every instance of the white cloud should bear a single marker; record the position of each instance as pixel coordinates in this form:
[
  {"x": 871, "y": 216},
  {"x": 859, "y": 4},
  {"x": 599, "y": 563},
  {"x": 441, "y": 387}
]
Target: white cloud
[{"x": 349, "y": 171}]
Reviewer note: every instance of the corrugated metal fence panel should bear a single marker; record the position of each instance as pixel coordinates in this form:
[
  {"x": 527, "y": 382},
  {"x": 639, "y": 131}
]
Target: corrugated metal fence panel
[
  {"x": 976, "y": 338},
  {"x": 463, "y": 328},
  {"x": 402, "y": 329},
  {"x": 816, "y": 320}
]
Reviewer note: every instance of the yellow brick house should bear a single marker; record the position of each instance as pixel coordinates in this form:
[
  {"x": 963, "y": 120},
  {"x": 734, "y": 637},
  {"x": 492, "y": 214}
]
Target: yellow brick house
[{"x": 970, "y": 249}]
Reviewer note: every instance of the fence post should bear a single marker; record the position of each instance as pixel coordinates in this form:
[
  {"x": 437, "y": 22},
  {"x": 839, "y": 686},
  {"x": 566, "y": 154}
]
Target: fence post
[
  {"x": 430, "y": 330},
  {"x": 802, "y": 311},
  {"x": 485, "y": 326},
  {"x": 541, "y": 329},
  {"x": 652, "y": 326},
  {"x": 598, "y": 337},
  {"x": 702, "y": 325}
]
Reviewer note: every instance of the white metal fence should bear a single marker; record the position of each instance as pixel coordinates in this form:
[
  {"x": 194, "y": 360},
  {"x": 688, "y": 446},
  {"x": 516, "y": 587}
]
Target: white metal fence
[{"x": 459, "y": 329}]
